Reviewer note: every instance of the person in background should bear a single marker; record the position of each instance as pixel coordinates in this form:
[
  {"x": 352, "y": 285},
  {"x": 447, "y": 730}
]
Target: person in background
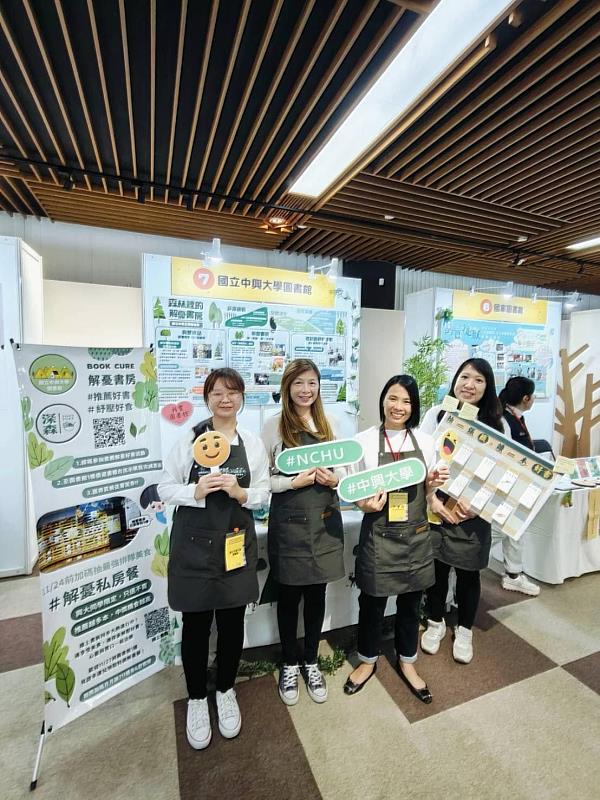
[
  {"x": 516, "y": 398},
  {"x": 306, "y": 534},
  {"x": 462, "y": 539},
  {"x": 395, "y": 556},
  {"x": 211, "y": 507}
]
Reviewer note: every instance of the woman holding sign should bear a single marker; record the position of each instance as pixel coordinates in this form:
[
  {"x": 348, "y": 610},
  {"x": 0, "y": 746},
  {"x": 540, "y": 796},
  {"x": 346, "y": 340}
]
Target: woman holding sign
[
  {"x": 215, "y": 476},
  {"x": 306, "y": 535},
  {"x": 395, "y": 555},
  {"x": 462, "y": 539}
]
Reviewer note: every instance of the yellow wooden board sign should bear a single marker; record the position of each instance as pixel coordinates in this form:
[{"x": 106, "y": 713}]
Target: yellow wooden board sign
[
  {"x": 496, "y": 307},
  {"x": 190, "y": 277}
]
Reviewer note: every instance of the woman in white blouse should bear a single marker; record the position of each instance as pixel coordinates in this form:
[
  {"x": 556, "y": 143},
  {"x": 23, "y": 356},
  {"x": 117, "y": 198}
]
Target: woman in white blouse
[
  {"x": 395, "y": 556},
  {"x": 204, "y": 580}
]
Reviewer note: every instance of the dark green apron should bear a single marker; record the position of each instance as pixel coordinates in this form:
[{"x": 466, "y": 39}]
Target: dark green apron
[
  {"x": 197, "y": 577},
  {"x": 306, "y": 534},
  {"x": 393, "y": 558},
  {"x": 465, "y": 546}
]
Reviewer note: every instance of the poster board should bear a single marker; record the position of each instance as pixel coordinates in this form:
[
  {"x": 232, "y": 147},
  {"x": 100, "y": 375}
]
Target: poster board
[
  {"x": 501, "y": 481},
  {"x": 202, "y": 315},
  {"x": 93, "y": 446},
  {"x": 511, "y": 333}
]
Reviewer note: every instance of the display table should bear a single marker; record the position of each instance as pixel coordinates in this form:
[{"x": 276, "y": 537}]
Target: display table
[
  {"x": 555, "y": 546},
  {"x": 342, "y": 596}
]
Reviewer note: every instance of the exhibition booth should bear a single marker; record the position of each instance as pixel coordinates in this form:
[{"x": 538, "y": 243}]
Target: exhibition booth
[{"x": 83, "y": 478}]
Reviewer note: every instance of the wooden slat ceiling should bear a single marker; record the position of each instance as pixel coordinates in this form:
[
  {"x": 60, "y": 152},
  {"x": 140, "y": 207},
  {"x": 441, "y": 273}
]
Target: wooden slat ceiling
[{"x": 207, "y": 110}]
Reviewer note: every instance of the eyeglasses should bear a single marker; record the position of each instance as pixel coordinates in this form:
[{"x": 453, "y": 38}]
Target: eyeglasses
[{"x": 218, "y": 396}]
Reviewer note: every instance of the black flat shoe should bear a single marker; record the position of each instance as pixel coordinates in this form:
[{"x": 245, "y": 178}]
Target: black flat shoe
[
  {"x": 352, "y": 688},
  {"x": 424, "y": 694}
]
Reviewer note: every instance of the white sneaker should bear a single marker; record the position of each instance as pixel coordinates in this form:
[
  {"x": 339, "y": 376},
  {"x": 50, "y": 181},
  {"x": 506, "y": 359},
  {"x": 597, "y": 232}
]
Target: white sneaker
[
  {"x": 462, "y": 649},
  {"x": 288, "y": 684},
  {"x": 430, "y": 641},
  {"x": 520, "y": 584},
  {"x": 230, "y": 718},
  {"x": 197, "y": 727},
  {"x": 315, "y": 683}
]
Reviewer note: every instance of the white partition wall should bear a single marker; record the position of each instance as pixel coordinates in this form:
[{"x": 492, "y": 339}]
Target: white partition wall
[
  {"x": 21, "y": 319},
  {"x": 381, "y": 347}
]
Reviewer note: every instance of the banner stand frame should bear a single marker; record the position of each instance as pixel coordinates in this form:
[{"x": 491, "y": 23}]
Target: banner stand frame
[{"x": 38, "y": 757}]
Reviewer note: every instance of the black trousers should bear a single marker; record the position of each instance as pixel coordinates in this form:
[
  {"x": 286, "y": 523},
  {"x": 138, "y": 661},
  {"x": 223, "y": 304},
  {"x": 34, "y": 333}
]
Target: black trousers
[
  {"x": 287, "y": 620},
  {"x": 406, "y": 626},
  {"x": 195, "y": 636},
  {"x": 468, "y": 592}
]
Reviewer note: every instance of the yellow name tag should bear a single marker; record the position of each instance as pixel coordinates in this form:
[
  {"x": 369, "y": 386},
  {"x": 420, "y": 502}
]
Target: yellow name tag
[
  {"x": 398, "y": 507},
  {"x": 433, "y": 518},
  {"x": 235, "y": 550}
]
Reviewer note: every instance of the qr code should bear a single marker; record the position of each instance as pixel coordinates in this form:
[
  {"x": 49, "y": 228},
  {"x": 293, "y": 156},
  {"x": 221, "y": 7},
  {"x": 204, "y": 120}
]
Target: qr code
[
  {"x": 109, "y": 432},
  {"x": 157, "y": 622}
]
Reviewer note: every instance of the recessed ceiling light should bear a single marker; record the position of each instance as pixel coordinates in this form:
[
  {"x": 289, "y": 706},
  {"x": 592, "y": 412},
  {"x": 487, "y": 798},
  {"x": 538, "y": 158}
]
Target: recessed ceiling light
[
  {"x": 389, "y": 217},
  {"x": 276, "y": 220},
  {"x": 443, "y": 38},
  {"x": 522, "y": 238},
  {"x": 595, "y": 242}
]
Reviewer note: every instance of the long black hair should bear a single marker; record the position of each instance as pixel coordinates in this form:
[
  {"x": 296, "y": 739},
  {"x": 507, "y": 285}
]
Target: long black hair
[
  {"x": 410, "y": 384},
  {"x": 515, "y": 390},
  {"x": 490, "y": 409}
]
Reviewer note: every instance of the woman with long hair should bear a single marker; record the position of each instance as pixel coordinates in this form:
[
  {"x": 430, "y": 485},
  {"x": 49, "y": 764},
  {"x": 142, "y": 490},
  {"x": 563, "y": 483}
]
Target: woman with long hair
[
  {"x": 462, "y": 540},
  {"x": 395, "y": 556},
  {"x": 516, "y": 398},
  {"x": 306, "y": 535},
  {"x": 205, "y": 581}
]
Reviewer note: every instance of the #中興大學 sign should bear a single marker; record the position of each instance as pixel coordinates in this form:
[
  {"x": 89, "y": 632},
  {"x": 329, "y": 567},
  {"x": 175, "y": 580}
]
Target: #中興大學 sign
[{"x": 388, "y": 478}]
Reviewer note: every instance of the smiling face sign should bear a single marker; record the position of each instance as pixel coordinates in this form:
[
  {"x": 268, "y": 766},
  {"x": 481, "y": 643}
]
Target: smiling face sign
[{"x": 211, "y": 449}]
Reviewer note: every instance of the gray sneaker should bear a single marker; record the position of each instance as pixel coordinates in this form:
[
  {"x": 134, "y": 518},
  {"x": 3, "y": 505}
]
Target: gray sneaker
[
  {"x": 315, "y": 683},
  {"x": 288, "y": 684}
]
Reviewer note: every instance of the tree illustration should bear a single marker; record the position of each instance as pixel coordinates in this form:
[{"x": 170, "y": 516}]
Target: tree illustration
[
  {"x": 157, "y": 311},
  {"x": 575, "y": 443}
]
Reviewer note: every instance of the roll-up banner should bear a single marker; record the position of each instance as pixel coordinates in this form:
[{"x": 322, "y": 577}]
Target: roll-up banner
[{"x": 90, "y": 419}]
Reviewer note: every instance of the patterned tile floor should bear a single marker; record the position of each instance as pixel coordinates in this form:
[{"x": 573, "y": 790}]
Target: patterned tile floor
[{"x": 521, "y": 721}]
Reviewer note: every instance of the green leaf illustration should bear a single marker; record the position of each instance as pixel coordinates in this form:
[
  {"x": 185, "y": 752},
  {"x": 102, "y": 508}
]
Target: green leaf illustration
[
  {"x": 148, "y": 366},
  {"x": 215, "y": 315},
  {"x": 133, "y": 430},
  {"x": 37, "y": 452},
  {"x": 48, "y": 697},
  {"x": 160, "y": 565},
  {"x": 58, "y": 468},
  {"x": 65, "y": 681},
  {"x": 161, "y": 543},
  {"x": 141, "y": 430},
  {"x": 54, "y": 652},
  {"x": 145, "y": 395},
  {"x": 25, "y": 409}
]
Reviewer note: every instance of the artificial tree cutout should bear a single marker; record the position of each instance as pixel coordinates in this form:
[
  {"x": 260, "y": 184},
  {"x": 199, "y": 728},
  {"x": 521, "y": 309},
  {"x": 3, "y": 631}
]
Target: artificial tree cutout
[{"x": 575, "y": 444}]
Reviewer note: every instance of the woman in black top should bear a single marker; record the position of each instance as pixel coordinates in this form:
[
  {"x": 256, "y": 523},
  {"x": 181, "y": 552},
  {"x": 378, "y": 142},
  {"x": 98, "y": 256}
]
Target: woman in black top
[{"x": 517, "y": 397}]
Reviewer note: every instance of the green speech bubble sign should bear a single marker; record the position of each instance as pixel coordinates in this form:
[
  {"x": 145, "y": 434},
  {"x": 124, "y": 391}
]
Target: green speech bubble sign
[
  {"x": 394, "y": 476},
  {"x": 324, "y": 454}
]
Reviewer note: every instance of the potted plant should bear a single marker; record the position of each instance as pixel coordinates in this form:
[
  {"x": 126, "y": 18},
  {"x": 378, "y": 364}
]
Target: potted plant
[{"x": 428, "y": 368}]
